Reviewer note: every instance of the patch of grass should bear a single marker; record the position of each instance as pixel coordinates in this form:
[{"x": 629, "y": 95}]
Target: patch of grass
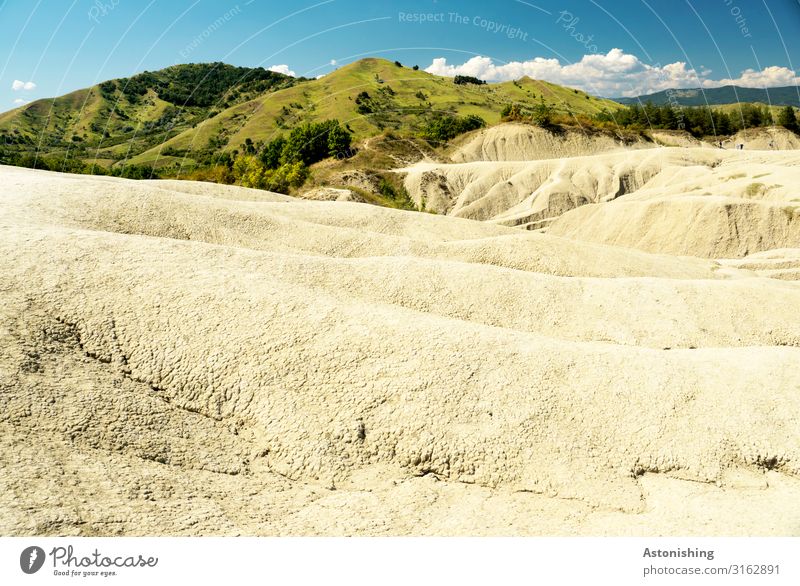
[
  {"x": 398, "y": 203},
  {"x": 755, "y": 189}
]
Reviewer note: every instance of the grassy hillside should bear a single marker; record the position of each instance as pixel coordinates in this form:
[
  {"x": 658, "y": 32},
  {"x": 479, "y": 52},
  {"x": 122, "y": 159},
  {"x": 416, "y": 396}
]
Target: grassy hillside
[
  {"x": 369, "y": 97},
  {"x": 780, "y": 96},
  {"x": 186, "y": 115},
  {"x": 111, "y": 120}
]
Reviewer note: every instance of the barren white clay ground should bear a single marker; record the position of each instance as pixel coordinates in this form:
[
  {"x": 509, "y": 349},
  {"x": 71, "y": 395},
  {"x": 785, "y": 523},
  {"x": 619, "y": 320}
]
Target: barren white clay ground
[{"x": 192, "y": 359}]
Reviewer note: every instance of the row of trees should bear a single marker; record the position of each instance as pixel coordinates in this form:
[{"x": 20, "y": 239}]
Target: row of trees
[
  {"x": 279, "y": 165},
  {"x": 699, "y": 121},
  {"x": 64, "y": 164}
]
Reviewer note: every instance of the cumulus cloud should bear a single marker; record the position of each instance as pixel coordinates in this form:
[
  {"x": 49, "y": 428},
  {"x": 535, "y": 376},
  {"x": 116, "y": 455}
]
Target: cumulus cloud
[
  {"x": 20, "y": 102},
  {"x": 284, "y": 69},
  {"x": 773, "y": 76},
  {"x": 615, "y": 73},
  {"x": 23, "y": 85}
]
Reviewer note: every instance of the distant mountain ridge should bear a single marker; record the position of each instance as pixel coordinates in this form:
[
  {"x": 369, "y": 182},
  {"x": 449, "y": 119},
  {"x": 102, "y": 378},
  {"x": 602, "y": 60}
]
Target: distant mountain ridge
[{"x": 729, "y": 94}]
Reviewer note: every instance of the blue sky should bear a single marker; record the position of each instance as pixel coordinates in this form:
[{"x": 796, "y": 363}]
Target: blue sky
[{"x": 607, "y": 47}]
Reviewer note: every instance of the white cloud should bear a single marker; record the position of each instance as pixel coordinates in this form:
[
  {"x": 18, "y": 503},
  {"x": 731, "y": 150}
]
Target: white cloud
[
  {"x": 773, "y": 76},
  {"x": 23, "y": 85},
  {"x": 284, "y": 69},
  {"x": 20, "y": 102},
  {"x": 614, "y": 74}
]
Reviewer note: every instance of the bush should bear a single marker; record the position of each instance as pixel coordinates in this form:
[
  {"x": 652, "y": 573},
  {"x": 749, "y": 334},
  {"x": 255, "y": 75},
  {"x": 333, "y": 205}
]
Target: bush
[
  {"x": 513, "y": 112},
  {"x": 442, "y": 127},
  {"x": 542, "y": 115},
  {"x": 364, "y": 103},
  {"x": 312, "y": 142},
  {"x": 249, "y": 171},
  {"x": 467, "y": 79},
  {"x": 397, "y": 194}
]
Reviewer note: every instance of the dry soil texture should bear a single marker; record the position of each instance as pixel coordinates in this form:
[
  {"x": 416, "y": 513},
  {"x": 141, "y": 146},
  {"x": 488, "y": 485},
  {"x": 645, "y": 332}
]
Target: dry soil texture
[{"x": 190, "y": 359}]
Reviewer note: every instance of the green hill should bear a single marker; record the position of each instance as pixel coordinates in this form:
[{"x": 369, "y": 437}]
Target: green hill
[
  {"x": 131, "y": 115},
  {"x": 186, "y": 115},
  {"x": 369, "y": 96}
]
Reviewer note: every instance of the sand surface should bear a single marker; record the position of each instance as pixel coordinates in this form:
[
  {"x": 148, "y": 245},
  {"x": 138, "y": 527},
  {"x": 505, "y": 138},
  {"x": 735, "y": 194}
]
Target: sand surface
[{"x": 191, "y": 359}]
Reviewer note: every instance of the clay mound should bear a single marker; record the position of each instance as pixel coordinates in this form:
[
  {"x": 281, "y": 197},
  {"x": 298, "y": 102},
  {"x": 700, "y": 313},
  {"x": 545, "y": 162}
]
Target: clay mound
[
  {"x": 532, "y": 194},
  {"x": 764, "y": 139},
  {"x": 214, "y": 190},
  {"x": 203, "y": 365},
  {"x": 710, "y": 227},
  {"x": 523, "y": 142},
  {"x": 718, "y": 203},
  {"x": 347, "y": 230},
  {"x": 781, "y": 264},
  {"x": 676, "y": 138},
  {"x": 331, "y": 194}
]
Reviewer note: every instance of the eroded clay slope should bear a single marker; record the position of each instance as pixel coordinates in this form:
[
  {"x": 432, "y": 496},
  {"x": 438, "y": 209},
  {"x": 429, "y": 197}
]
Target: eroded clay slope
[
  {"x": 187, "y": 362},
  {"x": 699, "y": 202}
]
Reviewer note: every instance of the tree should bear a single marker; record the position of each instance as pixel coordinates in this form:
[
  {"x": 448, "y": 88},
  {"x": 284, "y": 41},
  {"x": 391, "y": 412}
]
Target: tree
[
  {"x": 443, "y": 127},
  {"x": 285, "y": 177},
  {"x": 305, "y": 145},
  {"x": 250, "y": 171},
  {"x": 754, "y": 116},
  {"x": 271, "y": 155},
  {"x": 542, "y": 115},
  {"x": 338, "y": 141},
  {"x": 788, "y": 119},
  {"x": 311, "y": 142},
  {"x": 723, "y": 123}
]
